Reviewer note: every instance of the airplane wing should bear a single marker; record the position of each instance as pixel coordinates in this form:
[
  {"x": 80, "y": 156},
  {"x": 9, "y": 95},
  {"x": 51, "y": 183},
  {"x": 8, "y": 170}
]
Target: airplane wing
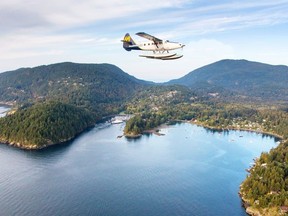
[{"x": 149, "y": 37}]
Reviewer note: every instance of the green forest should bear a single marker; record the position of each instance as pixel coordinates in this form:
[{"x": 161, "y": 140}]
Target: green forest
[
  {"x": 100, "y": 88},
  {"x": 44, "y": 124},
  {"x": 266, "y": 186}
]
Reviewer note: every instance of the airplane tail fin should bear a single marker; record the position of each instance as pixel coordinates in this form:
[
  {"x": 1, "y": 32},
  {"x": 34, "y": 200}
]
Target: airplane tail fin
[{"x": 127, "y": 42}]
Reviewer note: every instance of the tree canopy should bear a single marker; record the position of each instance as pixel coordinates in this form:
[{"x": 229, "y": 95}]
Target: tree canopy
[{"x": 44, "y": 124}]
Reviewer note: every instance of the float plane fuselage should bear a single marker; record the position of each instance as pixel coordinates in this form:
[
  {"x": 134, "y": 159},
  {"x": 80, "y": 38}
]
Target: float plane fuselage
[{"x": 160, "y": 48}]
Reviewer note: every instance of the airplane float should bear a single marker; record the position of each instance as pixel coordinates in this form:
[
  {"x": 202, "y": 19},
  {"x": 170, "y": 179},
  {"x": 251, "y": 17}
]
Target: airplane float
[{"x": 160, "y": 48}]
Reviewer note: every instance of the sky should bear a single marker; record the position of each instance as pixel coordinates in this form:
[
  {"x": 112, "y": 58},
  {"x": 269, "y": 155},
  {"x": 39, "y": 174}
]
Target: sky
[{"x": 42, "y": 32}]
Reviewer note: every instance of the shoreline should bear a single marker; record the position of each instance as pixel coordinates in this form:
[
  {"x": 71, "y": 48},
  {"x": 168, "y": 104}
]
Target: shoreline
[
  {"x": 165, "y": 125},
  {"x": 149, "y": 131},
  {"x": 32, "y": 147},
  {"x": 157, "y": 129},
  {"x": 238, "y": 129}
]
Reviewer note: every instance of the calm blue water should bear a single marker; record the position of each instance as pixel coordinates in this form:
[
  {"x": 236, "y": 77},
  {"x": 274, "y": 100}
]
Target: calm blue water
[{"x": 189, "y": 171}]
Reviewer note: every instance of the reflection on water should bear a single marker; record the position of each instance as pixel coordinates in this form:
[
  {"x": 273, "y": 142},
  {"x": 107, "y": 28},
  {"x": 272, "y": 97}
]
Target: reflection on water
[{"x": 189, "y": 171}]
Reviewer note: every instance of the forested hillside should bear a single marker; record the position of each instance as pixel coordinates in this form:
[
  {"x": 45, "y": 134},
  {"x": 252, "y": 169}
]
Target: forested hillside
[
  {"x": 44, "y": 124},
  {"x": 240, "y": 80},
  {"x": 93, "y": 86},
  {"x": 266, "y": 188}
]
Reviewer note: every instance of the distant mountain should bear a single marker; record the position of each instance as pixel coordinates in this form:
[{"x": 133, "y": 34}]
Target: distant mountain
[
  {"x": 84, "y": 85},
  {"x": 239, "y": 77}
]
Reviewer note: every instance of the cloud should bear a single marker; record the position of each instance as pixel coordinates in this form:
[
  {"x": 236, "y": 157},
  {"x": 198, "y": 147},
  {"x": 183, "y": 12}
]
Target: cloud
[
  {"x": 12, "y": 19},
  {"x": 70, "y": 13},
  {"x": 41, "y": 32},
  {"x": 189, "y": 17},
  {"x": 28, "y": 45},
  {"x": 206, "y": 19},
  {"x": 232, "y": 6}
]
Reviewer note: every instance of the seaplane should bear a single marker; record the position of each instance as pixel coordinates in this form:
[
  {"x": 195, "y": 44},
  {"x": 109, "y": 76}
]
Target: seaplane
[{"x": 160, "y": 48}]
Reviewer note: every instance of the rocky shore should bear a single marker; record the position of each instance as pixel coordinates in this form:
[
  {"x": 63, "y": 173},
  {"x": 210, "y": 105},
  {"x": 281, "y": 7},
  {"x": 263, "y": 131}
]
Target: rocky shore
[
  {"x": 32, "y": 146},
  {"x": 27, "y": 146},
  {"x": 245, "y": 203}
]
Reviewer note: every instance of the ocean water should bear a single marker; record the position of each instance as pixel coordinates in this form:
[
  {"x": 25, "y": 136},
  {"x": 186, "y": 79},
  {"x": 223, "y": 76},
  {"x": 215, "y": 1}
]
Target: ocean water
[{"x": 188, "y": 171}]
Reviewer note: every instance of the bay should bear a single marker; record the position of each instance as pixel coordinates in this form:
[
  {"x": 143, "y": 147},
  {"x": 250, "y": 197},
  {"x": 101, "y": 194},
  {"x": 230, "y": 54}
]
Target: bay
[{"x": 189, "y": 171}]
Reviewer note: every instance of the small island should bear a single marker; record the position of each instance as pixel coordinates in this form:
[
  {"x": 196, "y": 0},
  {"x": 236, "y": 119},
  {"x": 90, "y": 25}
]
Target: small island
[{"x": 143, "y": 123}]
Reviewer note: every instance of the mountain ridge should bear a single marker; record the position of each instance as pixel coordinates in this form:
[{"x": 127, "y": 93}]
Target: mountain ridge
[
  {"x": 87, "y": 84},
  {"x": 246, "y": 78},
  {"x": 80, "y": 84}
]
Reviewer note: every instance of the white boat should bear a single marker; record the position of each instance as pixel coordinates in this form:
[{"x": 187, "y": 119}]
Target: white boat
[
  {"x": 120, "y": 119},
  {"x": 117, "y": 121}
]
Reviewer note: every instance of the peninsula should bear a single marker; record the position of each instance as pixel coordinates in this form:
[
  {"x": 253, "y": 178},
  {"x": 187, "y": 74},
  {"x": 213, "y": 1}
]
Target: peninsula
[{"x": 41, "y": 125}]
